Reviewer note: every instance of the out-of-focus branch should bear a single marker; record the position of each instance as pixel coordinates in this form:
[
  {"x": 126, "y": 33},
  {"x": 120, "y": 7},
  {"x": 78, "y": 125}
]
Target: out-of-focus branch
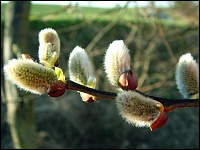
[
  {"x": 106, "y": 28},
  {"x": 100, "y": 35},
  {"x": 162, "y": 34}
]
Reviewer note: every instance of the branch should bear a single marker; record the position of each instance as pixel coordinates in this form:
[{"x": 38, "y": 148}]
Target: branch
[
  {"x": 169, "y": 104},
  {"x": 99, "y": 95}
]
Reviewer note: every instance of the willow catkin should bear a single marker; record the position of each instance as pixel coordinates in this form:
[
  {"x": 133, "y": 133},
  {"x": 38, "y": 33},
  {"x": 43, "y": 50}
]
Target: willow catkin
[
  {"x": 137, "y": 109},
  {"x": 117, "y": 61},
  {"x": 30, "y": 76},
  {"x": 49, "y": 47},
  {"x": 187, "y": 76},
  {"x": 80, "y": 68}
]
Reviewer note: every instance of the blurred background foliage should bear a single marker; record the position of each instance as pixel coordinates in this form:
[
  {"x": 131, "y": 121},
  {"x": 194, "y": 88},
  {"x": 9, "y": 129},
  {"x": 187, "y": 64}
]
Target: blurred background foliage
[{"x": 156, "y": 37}]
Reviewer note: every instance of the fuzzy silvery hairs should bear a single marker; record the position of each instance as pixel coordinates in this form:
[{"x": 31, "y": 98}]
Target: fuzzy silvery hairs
[
  {"x": 81, "y": 71},
  {"x": 39, "y": 78},
  {"x": 187, "y": 76},
  {"x": 135, "y": 108}
]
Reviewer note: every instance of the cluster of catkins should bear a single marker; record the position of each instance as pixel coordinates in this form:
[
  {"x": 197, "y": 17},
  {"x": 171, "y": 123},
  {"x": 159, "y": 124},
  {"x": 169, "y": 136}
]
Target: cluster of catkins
[{"x": 46, "y": 77}]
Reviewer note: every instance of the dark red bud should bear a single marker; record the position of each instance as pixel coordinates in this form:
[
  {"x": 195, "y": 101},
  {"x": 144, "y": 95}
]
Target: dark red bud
[
  {"x": 58, "y": 89},
  {"x": 159, "y": 122},
  {"x": 128, "y": 81}
]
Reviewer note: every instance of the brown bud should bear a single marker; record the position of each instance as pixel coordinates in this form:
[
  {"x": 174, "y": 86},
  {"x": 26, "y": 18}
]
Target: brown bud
[
  {"x": 26, "y": 56},
  {"x": 128, "y": 81},
  {"x": 86, "y": 97},
  {"x": 159, "y": 122},
  {"x": 56, "y": 64},
  {"x": 58, "y": 89}
]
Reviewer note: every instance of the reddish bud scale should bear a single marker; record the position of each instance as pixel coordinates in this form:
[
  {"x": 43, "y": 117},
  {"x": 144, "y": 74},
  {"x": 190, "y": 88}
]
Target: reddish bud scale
[
  {"x": 86, "y": 97},
  {"x": 26, "y": 56},
  {"x": 58, "y": 89},
  {"x": 160, "y": 121},
  {"x": 128, "y": 81},
  {"x": 56, "y": 63}
]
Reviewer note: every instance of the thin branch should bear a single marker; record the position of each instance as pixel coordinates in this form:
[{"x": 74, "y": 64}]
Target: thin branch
[
  {"x": 170, "y": 51},
  {"x": 144, "y": 73},
  {"x": 99, "y": 95},
  {"x": 156, "y": 85},
  {"x": 108, "y": 27},
  {"x": 100, "y": 35},
  {"x": 169, "y": 104}
]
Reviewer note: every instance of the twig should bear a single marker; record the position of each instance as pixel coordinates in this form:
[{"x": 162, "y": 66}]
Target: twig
[
  {"x": 100, "y": 35},
  {"x": 100, "y": 95},
  {"x": 156, "y": 85},
  {"x": 106, "y": 29},
  {"x": 162, "y": 34},
  {"x": 144, "y": 73},
  {"x": 169, "y": 104}
]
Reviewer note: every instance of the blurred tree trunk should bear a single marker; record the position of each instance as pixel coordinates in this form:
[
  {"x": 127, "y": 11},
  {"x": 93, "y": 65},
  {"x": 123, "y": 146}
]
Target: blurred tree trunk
[{"x": 20, "y": 113}]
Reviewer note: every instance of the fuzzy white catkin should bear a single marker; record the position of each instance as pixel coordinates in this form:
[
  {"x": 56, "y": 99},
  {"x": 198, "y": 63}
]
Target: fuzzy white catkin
[
  {"x": 49, "y": 45},
  {"x": 137, "y": 109},
  {"x": 30, "y": 76},
  {"x": 80, "y": 68},
  {"x": 187, "y": 76},
  {"x": 117, "y": 61}
]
